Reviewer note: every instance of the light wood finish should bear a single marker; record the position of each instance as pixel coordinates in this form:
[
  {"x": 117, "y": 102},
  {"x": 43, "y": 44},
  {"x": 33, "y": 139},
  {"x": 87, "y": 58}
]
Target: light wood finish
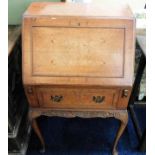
[
  {"x": 86, "y": 45},
  {"x": 84, "y": 52},
  {"x": 14, "y": 33},
  {"x": 78, "y": 97},
  {"x": 78, "y": 63},
  {"x": 124, "y": 120},
  {"x": 87, "y": 98},
  {"x": 79, "y": 9}
]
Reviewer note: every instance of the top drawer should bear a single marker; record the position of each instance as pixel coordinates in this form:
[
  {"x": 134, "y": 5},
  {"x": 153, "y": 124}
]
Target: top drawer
[{"x": 66, "y": 98}]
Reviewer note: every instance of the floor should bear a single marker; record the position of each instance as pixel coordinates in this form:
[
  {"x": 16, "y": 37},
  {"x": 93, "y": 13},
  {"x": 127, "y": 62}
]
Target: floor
[{"x": 77, "y": 136}]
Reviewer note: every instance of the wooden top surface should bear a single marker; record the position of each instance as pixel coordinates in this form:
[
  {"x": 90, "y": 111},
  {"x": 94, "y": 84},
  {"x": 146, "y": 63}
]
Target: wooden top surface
[
  {"x": 13, "y": 35},
  {"x": 109, "y": 10}
]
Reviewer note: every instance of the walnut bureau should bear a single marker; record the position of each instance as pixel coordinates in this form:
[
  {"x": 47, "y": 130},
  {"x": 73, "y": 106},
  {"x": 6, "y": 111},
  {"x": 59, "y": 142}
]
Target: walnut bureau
[{"x": 78, "y": 60}]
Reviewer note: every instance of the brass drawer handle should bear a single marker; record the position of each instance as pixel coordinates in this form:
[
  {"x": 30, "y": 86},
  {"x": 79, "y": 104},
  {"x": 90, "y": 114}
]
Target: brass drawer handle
[
  {"x": 125, "y": 93},
  {"x": 56, "y": 98},
  {"x": 98, "y": 99}
]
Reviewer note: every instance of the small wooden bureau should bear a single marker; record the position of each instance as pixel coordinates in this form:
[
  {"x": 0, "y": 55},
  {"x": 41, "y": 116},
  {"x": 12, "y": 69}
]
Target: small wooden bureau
[{"x": 78, "y": 60}]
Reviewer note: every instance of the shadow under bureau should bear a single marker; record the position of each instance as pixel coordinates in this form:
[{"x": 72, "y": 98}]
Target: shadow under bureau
[{"x": 78, "y": 60}]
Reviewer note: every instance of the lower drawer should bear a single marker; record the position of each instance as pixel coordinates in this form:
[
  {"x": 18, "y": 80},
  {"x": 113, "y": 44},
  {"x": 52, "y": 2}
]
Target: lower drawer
[{"x": 67, "y": 98}]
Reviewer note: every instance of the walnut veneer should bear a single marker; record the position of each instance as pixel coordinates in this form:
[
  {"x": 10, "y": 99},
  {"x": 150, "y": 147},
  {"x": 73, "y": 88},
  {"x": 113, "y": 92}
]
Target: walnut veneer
[{"x": 78, "y": 60}]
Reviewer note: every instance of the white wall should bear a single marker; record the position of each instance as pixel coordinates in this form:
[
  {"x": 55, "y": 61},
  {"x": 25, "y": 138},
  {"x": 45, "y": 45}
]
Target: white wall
[{"x": 134, "y": 4}]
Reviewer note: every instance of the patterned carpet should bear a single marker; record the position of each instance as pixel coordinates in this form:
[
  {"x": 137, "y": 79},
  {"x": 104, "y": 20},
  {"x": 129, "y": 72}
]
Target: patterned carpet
[{"x": 77, "y": 136}]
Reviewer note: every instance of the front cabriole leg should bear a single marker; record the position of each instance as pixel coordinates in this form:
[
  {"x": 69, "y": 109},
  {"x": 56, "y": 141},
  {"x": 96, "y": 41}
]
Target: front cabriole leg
[
  {"x": 123, "y": 117},
  {"x": 32, "y": 116}
]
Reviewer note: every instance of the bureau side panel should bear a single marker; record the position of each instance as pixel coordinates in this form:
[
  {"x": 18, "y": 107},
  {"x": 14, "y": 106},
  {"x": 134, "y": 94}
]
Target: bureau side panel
[
  {"x": 123, "y": 98},
  {"x": 31, "y": 96}
]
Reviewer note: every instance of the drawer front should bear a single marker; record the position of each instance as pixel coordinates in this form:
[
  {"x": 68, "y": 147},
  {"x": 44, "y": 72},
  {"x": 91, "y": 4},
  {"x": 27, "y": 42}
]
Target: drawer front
[
  {"x": 57, "y": 98},
  {"x": 77, "y": 98},
  {"x": 101, "y": 98}
]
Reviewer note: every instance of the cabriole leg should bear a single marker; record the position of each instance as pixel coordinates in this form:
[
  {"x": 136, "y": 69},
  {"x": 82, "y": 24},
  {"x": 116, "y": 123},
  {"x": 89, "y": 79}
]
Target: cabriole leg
[
  {"x": 38, "y": 133},
  {"x": 123, "y": 117},
  {"x": 32, "y": 116}
]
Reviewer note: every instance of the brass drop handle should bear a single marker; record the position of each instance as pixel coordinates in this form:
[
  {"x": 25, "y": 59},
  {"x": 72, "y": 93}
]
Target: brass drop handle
[
  {"x": 56, "y": 98},
  {"x": 125, "y": 93},
  {"x": 98, "y": 99}
]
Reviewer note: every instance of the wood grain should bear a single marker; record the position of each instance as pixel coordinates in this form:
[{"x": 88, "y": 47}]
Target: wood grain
[
  {"x": 118, "y": 71},
  {"x": 83, "y": 52},
  {"x": 78, "y": 63},
  {"x": 80, "y": 98},
  {"x": 113, "y": 10}
]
